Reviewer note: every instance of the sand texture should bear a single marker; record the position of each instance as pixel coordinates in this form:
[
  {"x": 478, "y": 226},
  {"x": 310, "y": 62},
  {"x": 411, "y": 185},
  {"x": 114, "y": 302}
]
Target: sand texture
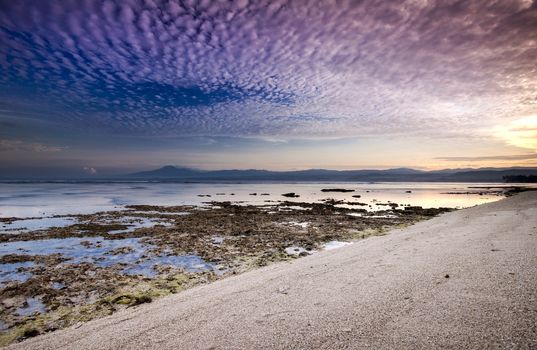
[{"x": 463, "y": 280}]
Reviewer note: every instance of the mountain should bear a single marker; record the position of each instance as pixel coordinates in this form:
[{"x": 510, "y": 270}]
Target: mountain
[
  {"x": 489, "y": 174},
  {"x": 166, "y": 172},
  {"x": 172, "y": 173}
]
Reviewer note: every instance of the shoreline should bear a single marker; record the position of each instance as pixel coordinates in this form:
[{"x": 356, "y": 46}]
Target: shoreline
[
  {"x": 98, "y": 264},
  {"x": 464, "y": 279}
]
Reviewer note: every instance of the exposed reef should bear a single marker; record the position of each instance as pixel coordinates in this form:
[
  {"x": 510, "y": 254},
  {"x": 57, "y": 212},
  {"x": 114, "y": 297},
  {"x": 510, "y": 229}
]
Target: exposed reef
[{"x": 106, "y": 261}]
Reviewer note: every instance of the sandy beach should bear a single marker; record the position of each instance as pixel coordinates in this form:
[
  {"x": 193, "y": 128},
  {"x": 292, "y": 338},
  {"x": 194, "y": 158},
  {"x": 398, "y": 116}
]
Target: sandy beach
[{"x": 465, "y": 279}]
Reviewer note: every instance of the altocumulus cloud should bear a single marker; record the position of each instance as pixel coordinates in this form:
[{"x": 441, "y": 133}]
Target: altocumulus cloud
[
  {"x": 271, "y": 68},
  {"x": 19, "y": 145}
]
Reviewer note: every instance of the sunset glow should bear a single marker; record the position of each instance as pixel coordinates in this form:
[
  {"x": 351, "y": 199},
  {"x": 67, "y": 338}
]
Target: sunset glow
[
  {"x": 520, "y": 133},
  {"x": 117, "y": 86}
]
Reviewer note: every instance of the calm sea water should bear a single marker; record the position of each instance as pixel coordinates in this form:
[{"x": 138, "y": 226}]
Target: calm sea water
[
  {"x": 36, "y": 203},
  {"x": 47, "y": 199}
]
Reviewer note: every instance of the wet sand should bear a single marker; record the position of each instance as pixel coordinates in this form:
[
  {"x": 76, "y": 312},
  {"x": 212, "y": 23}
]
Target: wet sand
[{"x": 465, "y": 279}]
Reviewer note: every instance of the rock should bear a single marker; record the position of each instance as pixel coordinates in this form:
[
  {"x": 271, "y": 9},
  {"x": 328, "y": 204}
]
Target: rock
[
  {"x": 15, "y": 258},
  {"x": 356, "y": 203},
  {"x": 85, "y": 244},
  {"x": 291, "y": 195},
  {"x": 17, "y": 301},
  {"x": 30, "y": 333},
  {"x": 336, "y": 190},
  {"x": 331, "y": 201},
  {"x": 418, "y": 210},
  {"x": 121, "y": 250},
  {"x": 141, "y": 300}
]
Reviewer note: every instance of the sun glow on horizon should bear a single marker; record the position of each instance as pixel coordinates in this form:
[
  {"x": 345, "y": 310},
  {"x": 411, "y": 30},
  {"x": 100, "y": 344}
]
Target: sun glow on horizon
[{"x": 520, "y": 133}]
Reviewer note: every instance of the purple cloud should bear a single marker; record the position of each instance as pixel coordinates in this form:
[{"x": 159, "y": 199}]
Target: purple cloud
[{"x": 288, "y": 68}]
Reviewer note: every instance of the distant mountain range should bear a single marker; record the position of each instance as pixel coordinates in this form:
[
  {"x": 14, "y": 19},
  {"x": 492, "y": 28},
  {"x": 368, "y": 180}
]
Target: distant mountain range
[{"x": 172, "y": 173}]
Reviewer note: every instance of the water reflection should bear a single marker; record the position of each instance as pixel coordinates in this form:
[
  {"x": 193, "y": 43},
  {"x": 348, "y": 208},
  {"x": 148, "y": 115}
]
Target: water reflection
[
  {"x": 35, "y": 200},
  {"x": 33, "y": 306},
  {"x": 15, "y": 271},
  {"x": 36, "y": 224},
  {"x": 135, "y": 255}
]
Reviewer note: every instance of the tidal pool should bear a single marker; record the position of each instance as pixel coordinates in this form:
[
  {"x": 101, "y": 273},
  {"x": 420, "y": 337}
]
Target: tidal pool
[
  {"x": 15, "y": 272},
  {"x": 33, "y": 305},
  {"x": 130, "y": 252}
]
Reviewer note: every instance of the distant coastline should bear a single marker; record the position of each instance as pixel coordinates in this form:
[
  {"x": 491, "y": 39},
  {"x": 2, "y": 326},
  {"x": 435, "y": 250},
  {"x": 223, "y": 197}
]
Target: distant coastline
[{"x": 174, "y": 174}]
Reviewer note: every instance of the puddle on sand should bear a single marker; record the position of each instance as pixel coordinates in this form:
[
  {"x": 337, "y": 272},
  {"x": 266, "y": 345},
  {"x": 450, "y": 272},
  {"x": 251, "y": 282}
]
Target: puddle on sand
[
  {"x": 335, "y": 245},
  {"x": 34, "y": 305},
  {"x": 10, "y": 272},
  {"x": 26, "y": 225},
  {"x": 296, "y": 250},
  {"x": 101, "y": 252}
]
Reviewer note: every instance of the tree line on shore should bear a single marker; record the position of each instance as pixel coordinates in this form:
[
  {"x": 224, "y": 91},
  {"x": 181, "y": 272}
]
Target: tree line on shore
[{"x": 521, "y": 178}]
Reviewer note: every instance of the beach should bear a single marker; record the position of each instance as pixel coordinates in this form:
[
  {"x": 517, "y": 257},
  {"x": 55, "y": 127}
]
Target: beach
[
  {"x": 268, "y": 174},
  {"x": 59, "y": 270},
  {"x": 464, "y": 279}
]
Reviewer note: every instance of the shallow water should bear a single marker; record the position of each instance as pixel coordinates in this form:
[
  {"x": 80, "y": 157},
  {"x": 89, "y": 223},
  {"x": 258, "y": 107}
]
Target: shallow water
[
  {"x": 99, "y": 251},
  {"x": 295, "y": 250},
  {"x": 135, "y": 223},
  {"x": 10, "y": 272},
  {"x": 35, "y": 305},
  {"x": 47, "y": 199},
  {"x": 57, "y": 285},
  {"x": 27, "y": 225},
  {"x": 36, "y": 224},
  {"x": 335, "y": 245},
  {"x": 33, "y": 200}
]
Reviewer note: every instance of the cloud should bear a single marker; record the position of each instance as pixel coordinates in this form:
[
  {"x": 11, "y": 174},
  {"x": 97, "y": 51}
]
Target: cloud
[
  {"x": 514, "y": 157},
  {"x": 274, "y": 69},
  {"x": 18, "y": 145},
  {"x": 90, "y": 170},
  {"x": 520, "y": 133}
]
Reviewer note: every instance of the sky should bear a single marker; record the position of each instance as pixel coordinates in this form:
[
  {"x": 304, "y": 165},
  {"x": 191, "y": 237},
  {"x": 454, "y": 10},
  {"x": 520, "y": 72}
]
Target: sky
[{"x": 98, "y": 87}]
